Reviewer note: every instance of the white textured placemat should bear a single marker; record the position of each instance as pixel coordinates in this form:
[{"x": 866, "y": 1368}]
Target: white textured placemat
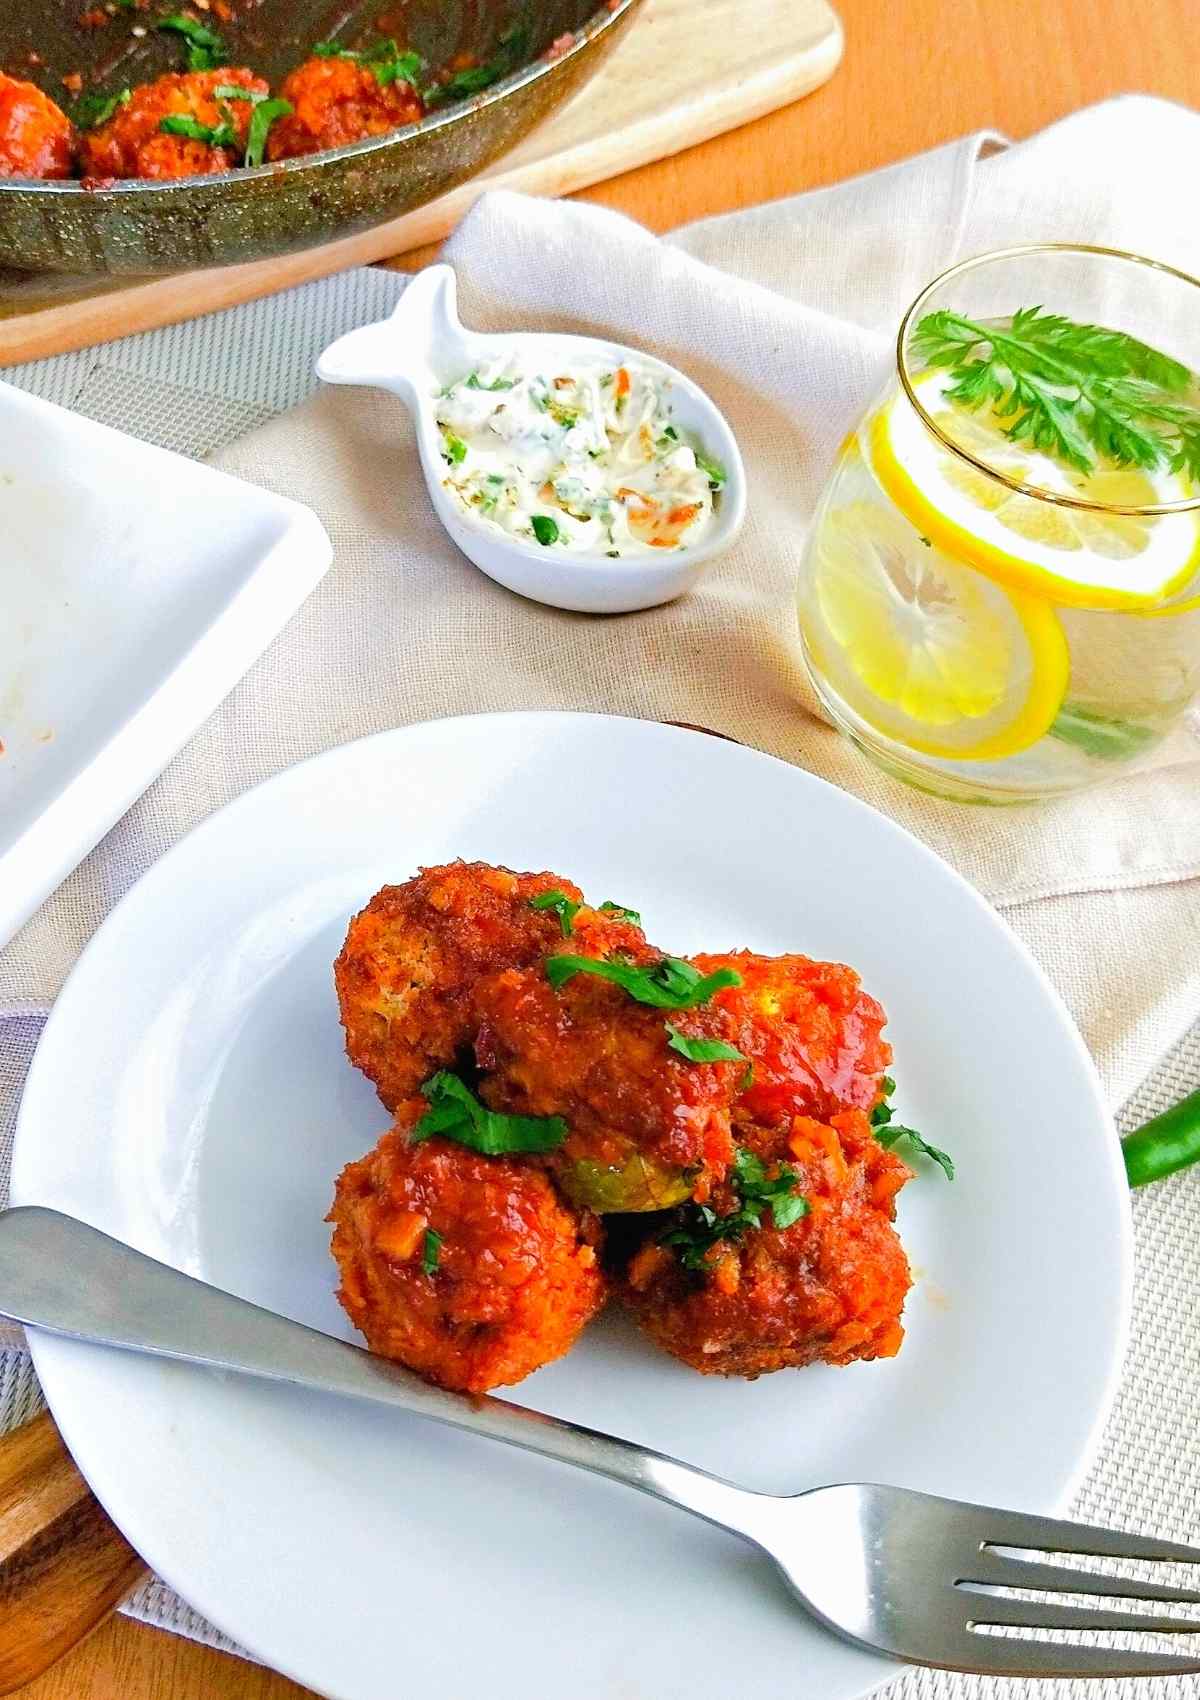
[{"x": 201, "y": 386}]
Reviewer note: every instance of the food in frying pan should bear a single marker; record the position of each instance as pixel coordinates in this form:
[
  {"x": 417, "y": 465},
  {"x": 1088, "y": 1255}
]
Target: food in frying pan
[
  {"x": 37, "y": 139},
  {"x": 468, "y": 1268},
  {"x": 186, "y": 124},
  {"x": 213, "y": 117},
  {"x": 341, "y": 99},
  {"x": 728, "y": 1115}
]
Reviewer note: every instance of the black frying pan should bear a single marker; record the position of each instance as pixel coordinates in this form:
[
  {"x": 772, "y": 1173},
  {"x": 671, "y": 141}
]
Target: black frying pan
[{"x": 145, "y": 228}]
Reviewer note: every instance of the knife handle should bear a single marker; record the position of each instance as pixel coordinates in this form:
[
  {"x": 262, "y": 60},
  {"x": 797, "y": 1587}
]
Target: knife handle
[{"x": 64, "y": 1565}]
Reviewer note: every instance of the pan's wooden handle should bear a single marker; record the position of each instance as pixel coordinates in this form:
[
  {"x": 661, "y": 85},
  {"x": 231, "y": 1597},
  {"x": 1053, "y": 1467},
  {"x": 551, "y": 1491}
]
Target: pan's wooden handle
[{"x": 63, "y": 1565}]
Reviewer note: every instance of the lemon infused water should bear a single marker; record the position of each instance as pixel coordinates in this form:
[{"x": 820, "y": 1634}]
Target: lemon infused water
[{"x": 1000, "y": 597}]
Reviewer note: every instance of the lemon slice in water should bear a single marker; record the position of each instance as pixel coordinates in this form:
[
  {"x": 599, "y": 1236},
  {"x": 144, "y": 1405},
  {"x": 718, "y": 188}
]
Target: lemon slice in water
[
  {"x": 934, "y": 655},
  {"x": 1076, "y": 556}
]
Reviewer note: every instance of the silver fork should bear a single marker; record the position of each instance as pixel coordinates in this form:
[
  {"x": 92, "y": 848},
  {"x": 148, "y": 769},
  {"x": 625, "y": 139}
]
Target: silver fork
[{"x": 895, "y": 1571}]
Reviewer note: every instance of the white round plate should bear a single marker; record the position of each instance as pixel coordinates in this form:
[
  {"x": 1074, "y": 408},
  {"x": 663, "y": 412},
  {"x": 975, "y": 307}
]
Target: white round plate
[{"x": 191, "y": 1096}]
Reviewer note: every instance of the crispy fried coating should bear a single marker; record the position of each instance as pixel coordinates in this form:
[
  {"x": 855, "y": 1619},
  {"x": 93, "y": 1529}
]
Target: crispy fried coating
[
  {"x": 647, "y": 1126},
  {"x": 337, "y": 101},
  {"x": 37, "y": 139},
  {"x": 131, "y": 143},
  {"x": 413, "y": 958},
  {"x": 812, "y": 1035},
  {"x": 828, "y": 1289},
  {"x": 517, "y": 1272}
]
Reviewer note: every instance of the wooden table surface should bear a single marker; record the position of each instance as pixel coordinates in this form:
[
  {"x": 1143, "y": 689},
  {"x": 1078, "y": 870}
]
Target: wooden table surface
[{"x": 913, "y": 76}]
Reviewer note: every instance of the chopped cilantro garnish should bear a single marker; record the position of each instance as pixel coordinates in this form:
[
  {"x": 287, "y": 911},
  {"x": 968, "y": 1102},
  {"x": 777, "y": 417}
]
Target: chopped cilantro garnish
[
  {"x": 545, "y": 529},
  {"x": 431, "y": 1250},
  {"x": 699, "y": 1228},
  {"x": 400, "y": 68},
  {"x": 512, "y": 48},
  {"x": 205, "y": 49},
  {"x": 234, "y": 91},
  {"x": 264, "y": 115},
  {"x": 385, "y": 60},
  {"x": 221, "y": 135},
  {"x": 883, "y": 1110},
  {"x": 473, "y": 383},
  {"x": 702, "y": 1050},
  {"x": 456, "y": 1113},
  {"x": 667, "y": 984},
  {"x": 562, "y": 906},
  {"x": 455, "y": 450},
  {"x": 712, "y": 470},
  {"x": 621, "y": 911},
  {"x": 890, "y": 1133},
  {"x": 93, "y": 110}
]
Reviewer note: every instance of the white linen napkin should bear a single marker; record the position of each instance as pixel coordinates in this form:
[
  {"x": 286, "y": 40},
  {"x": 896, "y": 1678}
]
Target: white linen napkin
[{"x": 785, "y": 314}]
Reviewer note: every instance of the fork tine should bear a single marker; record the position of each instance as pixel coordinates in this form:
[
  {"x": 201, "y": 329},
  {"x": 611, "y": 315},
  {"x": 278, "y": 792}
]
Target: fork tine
[
  {"x": 1051, "y": 1534},
  {"x": 996, "y": 1655},
  {"x": 997, "y": 1568},
  {"x": 1044, "y": 1614}
]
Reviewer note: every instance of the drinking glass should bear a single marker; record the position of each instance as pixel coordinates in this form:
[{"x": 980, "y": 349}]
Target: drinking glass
[{"x": 986, "y": 613}]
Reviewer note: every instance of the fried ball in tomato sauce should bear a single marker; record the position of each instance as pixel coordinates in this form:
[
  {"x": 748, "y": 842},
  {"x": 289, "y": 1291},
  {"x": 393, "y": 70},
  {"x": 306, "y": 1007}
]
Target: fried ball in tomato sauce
[
  {"x": 37, "y": 139},
  {"x": 829, "y": 1288},
  {"x": 812, "y": 1036},
  {"x": 516, "y": 1274},
  {"x": 132, "y": 143},
  {"x": 647, "y": 1126},
  {"x": 408, "y": 971},
  {"x": 337, "y": 101}
]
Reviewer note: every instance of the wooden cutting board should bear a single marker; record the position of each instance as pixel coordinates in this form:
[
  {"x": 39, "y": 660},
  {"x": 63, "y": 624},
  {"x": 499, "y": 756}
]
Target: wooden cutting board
[{"x": 684, "y": 71}]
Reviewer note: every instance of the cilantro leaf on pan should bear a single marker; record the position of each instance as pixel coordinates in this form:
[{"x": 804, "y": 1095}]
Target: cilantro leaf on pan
[{"x": 205, "y": 49}]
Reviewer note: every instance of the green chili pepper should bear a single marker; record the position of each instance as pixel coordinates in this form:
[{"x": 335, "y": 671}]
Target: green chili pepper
[{"x": 1169, "y": 1142}]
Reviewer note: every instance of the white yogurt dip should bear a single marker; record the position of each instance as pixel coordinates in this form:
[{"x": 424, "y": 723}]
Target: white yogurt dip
[{"x": 586, "y": 458}]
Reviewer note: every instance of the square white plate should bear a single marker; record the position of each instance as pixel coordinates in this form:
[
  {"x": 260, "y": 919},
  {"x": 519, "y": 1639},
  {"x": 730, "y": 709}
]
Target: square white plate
[{"x": 136, "y": 588}]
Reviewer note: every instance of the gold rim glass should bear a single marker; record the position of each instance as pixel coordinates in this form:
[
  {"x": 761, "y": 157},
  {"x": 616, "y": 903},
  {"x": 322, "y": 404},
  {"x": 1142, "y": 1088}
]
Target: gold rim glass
[{"x": 1107, "y": 286}]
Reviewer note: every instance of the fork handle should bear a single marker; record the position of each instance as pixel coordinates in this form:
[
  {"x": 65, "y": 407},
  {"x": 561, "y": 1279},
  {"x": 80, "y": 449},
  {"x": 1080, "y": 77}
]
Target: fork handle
[{"x": 59, "y": 1274}]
